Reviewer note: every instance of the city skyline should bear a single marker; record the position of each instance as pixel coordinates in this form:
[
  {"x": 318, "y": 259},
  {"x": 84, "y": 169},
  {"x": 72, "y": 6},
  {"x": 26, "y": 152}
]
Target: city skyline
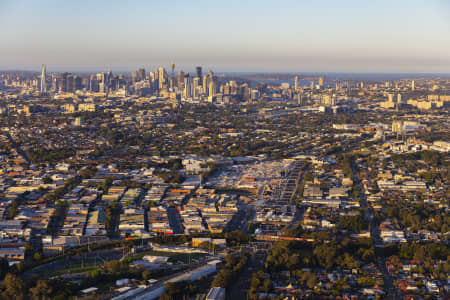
[{"x": 351, "y": 37}]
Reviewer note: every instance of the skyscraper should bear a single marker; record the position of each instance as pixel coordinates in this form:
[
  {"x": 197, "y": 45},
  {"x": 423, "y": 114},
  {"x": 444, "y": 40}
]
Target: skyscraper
[
  {"x": 141, "y": 74},
  {"x": 413, "y": 86},
  {"x": 188, "y": 87},
  {"x": 296, "y": 83},
  {"x": 180, "y": 79},
  {"x": 320, "y": 82},
  {"x": 205, "y": 84},
  {"x": 134, "y": 76},
  {"x": 212, "y": 88},
  {"x": 43, "y": 80},
  {"x": 300, "y": 100},
  {"x": 198, "y": 72}
]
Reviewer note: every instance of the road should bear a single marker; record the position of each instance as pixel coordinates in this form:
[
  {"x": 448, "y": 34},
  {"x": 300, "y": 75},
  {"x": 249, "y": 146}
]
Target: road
[
  {"x": 17, "y": 147},
  {"x": 239, "y": 288},
  {"x": 174, "y": 220},
  {"x": 391, "y": 291}
]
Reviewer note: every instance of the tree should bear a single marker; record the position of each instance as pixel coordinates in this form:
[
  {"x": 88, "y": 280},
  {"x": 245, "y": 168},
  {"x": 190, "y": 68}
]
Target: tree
[
  {"x": 366, "y": 281},
  {"x": 14, "y": 287},
  {"x": 13, "y": 209},
  {"x": 267, "y": 286},
  {"x": 47, "y": 180},
  {"x": 115, "y": 266},
  {"x": 4, "y": 267},
  {"x": 311, "y": 281},
  {"x": 222, "y": 279},
  {"x": 146, "y": 275},
  {"x": 37, "y": 256},
  {"x": 41, "y": 291},
  {"x": 325, "y": 254}
]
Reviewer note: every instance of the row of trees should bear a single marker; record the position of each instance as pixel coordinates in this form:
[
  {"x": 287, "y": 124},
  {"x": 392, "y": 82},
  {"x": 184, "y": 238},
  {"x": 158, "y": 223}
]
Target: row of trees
[
  {"x": 260, "y": 283},
  {"x": 14, "y": 287},
  {"x": 112, "y": 220},
  {"x": 233, "y": 265},
  {"x": 293, "y": 255},
  {"x": 419, "y": 216},
  {"x": 353, "y": 223},
  {"x": 41, "y": 155}
]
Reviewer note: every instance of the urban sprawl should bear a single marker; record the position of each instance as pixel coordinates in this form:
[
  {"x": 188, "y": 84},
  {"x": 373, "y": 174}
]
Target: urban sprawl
[{"x": 191, "y": 185}]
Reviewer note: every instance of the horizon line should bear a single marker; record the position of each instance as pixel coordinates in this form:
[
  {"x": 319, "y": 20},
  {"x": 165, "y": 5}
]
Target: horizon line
[{"x": 234, "y": 72}]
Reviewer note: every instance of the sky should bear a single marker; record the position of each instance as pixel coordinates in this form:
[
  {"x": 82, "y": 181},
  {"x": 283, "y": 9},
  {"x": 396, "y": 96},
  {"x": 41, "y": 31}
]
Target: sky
[{"x": 365, "y": 36}]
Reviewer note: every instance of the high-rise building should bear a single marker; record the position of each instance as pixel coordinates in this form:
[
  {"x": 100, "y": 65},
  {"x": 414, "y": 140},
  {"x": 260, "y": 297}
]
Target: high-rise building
[
  {"x": 141, "y": 74},
  {"x": 205, "y": 84},
  {"x": 296, "y": 83},
  {"x": 300, "y": 100},
  {"x": 320, "y": 82},
  {"x": 399, "y": 98},
  {"x": 212, "y": 88},
  {"x": 413, "y": 87},
  {"x": 180, "y": 79},
  {"x": 188, "y": 87},
  {"x": 198, "y": 73},
  {"x": 162, "y": 76},
  {"x": 43, "y": 80},
  {"x": 134, "y": 76}
]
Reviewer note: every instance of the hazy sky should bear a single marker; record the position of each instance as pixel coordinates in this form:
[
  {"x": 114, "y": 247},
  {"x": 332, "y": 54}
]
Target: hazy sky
[{"x": 232, "y": 35}]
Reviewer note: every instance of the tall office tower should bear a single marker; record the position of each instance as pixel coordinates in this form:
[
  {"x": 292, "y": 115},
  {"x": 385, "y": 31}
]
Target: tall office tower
[
  {"x": 180, "y": 79},
  {"x": 198, "y": 72},
  {"x": 196, "y": 82},
  {"x": 162, "y": 73},
  {"x": 172, "y": 67},
  {"x": 413, "y": 87},
  {"x": 205, "y": 84},
  {"x": 299, "y": 99},
  {"x": 134, "y": 76},
  {"x": 227, "y": 89},
  {"x": 320, "y": 82},
  {"x": 101, "y": 77},
  {"x": 93, "y": 83},
  {"x": 141, "y": 74},
  {"x": 70, "y": 83},
  {"x": 212, "y": 88},
  {"x": 43, "y": 80},
  {"x": 362, "y": 84},
  {"x": 171, "y": 83},
  {"x": 162, "y": 76},
  {"x": 312, "y": 84},
  {"x": 210, "y": 78},
  {"x": 62, "y": 82},
  {"x": 296, "y": 83},
  {"x": 77, "y": 83},
  {"x": 399, "y": 98},
  {"x": 188, "y": 87},
  {"x": 196, "y": 87}
]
